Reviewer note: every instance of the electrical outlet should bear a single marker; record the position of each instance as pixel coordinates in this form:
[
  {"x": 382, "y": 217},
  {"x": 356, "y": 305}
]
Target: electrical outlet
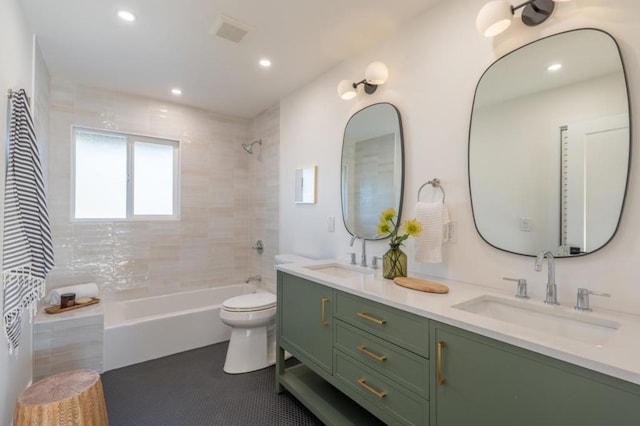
[
  {"x": 453, "y": 232},
  {"x": 525, "y": 224}
]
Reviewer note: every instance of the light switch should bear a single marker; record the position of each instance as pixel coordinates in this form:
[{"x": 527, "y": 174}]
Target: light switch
[
  {"x": 525, "y": 224},
  {"x": 331, "y": 223}
]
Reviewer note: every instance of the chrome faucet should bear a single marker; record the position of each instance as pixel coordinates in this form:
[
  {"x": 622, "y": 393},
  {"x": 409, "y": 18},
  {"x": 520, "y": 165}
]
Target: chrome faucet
[
  {"x": 363, "y": 257},
  {"x": 582, "y": 302},
  {"x": 254, "y": 278},
  {"x": 551, "y": 297}
]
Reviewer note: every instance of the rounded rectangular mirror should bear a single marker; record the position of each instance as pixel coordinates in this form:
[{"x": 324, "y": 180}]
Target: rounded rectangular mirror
[
  {"x": 372, "y": 168},
  {"x": 549, "y": 146}
]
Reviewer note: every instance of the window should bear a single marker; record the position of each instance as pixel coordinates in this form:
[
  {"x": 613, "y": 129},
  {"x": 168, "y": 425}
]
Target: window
[{"x": 121, "y": 176}]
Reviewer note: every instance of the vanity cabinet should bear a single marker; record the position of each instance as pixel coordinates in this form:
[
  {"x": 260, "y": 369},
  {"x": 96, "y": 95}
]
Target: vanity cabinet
[
  {"x": 484, "y": 381},
  {"x": 305, "y": 325},
  {"x": 381, "y": 359},
  {"x": 358, "y": 357},
  {"x": 366, "y": 363}
]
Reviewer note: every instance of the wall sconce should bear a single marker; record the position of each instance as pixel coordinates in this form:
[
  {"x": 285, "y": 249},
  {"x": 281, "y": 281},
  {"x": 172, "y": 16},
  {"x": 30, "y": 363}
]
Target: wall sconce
[
  {"x": 375, "y": 75},
  {"x": 496, "y": 16}
]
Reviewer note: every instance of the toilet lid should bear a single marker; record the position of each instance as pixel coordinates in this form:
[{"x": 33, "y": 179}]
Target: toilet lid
[{"x": 250, "y": 302}]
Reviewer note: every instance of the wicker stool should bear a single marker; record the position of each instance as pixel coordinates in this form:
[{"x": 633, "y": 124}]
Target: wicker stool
[{"x": 72, "y": 398}]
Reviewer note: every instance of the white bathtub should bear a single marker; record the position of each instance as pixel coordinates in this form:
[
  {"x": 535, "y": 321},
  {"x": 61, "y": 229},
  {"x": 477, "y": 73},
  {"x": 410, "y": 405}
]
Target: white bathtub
[{"x": 152, "y": 327}]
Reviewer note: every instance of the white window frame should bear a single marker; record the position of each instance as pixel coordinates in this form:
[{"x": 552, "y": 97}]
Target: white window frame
[{"x": 131, "y": 138}]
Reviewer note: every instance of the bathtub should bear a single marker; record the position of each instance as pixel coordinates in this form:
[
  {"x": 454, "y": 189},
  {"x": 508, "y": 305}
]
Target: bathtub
[{"x": 152, "y": 327}]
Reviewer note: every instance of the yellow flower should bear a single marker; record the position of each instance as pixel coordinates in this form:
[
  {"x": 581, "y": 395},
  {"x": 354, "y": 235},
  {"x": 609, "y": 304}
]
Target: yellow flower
[
  {"x": 384, "y": 228},
  {"x": 388, "y": 214},
  {"x": 388, "y": 227},
  {"x": 412, "y": 227}
]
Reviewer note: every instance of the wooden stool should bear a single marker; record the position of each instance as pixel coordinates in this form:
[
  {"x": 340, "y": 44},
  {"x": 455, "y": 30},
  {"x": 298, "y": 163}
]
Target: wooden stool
[{"x": 72, "y": 398}]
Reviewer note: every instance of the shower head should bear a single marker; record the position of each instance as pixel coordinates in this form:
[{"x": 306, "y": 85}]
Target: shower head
[{"x": 249, "y": 146}]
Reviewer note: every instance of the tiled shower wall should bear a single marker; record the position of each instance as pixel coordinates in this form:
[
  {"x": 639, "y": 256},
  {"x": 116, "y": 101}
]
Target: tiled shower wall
[
  {"x": 263, "y": 193},
  {"x": 210, "y": 244}
]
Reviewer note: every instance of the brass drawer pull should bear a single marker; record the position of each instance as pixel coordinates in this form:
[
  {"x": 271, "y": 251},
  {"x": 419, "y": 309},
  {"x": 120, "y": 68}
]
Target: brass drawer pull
[
  {"x": 441, "y": 345},
  {"x": 362, "y": 383},
  {"x": 364, "y": 350},
  {"x": 323, "y": 321},
  {"x": 372, "y": 319}
]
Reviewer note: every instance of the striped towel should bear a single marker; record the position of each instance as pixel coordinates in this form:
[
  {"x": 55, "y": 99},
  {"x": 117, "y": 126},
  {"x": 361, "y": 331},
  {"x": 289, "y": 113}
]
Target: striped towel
[{"x": 28, "y": 250}]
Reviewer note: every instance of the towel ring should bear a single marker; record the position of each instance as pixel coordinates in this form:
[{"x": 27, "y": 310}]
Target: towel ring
[{"x": 435, "y": 182}]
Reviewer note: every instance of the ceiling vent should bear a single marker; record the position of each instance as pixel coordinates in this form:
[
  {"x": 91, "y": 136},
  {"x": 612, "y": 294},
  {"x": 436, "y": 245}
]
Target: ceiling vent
[{"x": 229, "y": 29}]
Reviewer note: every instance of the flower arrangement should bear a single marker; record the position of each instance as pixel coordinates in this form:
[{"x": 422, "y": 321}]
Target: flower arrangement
[
  {"x": 389, "y": 226},
  {"x": 394, "y": 261}
]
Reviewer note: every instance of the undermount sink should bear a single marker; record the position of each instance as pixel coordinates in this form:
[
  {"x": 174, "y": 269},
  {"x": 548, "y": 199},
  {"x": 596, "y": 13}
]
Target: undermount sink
[
  {"x": 549, "y": 319},
  {"x": 340, "y": 270}
]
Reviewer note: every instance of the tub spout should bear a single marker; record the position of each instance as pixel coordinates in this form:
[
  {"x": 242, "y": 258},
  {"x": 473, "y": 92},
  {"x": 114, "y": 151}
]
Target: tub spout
[{"x": 254, "y": 278}]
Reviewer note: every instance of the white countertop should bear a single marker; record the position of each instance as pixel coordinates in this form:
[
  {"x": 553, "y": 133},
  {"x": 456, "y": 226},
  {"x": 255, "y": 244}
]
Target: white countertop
[{"x": 618, "y": 357}]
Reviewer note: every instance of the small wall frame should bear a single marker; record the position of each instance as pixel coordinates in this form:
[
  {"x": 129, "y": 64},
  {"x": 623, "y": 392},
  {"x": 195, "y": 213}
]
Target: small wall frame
[{"x": 305, "y": 187}]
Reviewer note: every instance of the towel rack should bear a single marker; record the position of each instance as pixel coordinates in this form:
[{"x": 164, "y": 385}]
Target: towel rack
[
  {"x": 10, "y": 93},
  {"x": 435, "y": 182}
]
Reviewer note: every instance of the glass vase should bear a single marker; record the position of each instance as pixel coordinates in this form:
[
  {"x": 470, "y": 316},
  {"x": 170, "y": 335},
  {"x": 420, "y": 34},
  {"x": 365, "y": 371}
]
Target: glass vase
[{"x": 394, "y": 263}]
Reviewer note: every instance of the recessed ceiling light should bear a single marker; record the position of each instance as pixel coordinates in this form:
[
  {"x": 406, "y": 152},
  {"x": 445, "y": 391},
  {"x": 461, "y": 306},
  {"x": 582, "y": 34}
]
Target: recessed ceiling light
[
  {"x": 125, "y": 15},
  {"x": 176, "y": 91},
  {"x": 554, "y": 67},
  {"x": 265, "y": 63}
]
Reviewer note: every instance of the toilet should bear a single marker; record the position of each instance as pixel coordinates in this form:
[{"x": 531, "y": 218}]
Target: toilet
[{"x": 252, "y": 345}]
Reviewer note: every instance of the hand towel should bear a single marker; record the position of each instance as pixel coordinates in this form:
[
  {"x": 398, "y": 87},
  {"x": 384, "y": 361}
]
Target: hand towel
[
  {"x": 434, "y": 218},
  {"x": 27, "y": 246},
  {"x": 81, "y": 290}
]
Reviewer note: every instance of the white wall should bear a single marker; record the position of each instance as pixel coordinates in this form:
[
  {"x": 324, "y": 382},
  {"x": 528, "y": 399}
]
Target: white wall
[
  {"x": 434, "y": 66},
  {"x": 15, "y": 73}
]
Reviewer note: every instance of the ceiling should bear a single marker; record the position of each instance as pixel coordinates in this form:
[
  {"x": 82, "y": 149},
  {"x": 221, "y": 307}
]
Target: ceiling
[{"x": 171, "y": 44}]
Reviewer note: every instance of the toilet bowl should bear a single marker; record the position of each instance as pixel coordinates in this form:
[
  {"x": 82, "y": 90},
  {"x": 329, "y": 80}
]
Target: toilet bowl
[
  {"x": 252, "y": 345},
  {"x": 252, "y": 321}
]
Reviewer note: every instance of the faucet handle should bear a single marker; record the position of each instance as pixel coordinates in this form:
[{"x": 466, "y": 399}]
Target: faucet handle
[
  {"x": 374, "y": 262},
  {"x": 521, "y": 287},
  {"x": 353, "y": 258},
  {"x": 582, "y": 301}
]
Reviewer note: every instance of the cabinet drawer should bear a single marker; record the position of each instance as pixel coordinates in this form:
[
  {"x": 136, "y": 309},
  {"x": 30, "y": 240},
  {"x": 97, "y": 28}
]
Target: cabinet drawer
[
  {"x": 391, "y": 402},
  {"x": 404, "y": 329},
  {"x": 398, "y": 364}
]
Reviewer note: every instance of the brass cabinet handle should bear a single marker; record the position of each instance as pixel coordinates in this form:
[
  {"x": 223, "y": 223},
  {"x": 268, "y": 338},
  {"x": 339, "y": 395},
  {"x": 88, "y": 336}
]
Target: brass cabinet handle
[
  {"x": 372, "y": 319},
  {"x": 441, "y": 345},
  {"x": 362, "y": 383},
  {"x": 323, "y": 321},
  {"x": 364, "y": 350}
]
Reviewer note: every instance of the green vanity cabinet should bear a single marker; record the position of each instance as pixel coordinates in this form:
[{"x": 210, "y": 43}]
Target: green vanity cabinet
[
  {"x": 305, "y": 329},
  {"x": 366, "y": 363},
  {"x": 362, "y": 362},
  {"x": 381, "y": 359},
  {"x": 305, "y": 321},
  {"x": 481, "y": 381}
]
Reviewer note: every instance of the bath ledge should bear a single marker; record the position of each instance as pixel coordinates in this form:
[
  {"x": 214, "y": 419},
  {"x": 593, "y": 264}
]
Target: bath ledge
[{"x": 88, "y": 311}]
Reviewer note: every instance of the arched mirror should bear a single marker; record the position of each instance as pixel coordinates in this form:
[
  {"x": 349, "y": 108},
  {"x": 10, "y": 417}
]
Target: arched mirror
[
  {"x": 549, "y": 146},
  {"x": 372, "y": 168}
]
